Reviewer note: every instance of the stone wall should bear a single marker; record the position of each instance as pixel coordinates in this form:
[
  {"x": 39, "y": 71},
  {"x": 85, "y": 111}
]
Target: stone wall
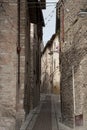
[
  {"x": 17, "y": 40},
  {"x": 55, "y": 71},
  {"x": 27, "y": 68},
  {"x": 46, "y": 70},
  {"x": 8, "y": 64},
  {"x": 50, "y": 75},
  {"x": 22, "y": 21},
  {"x": 11, "y": 97},
  {"x": 35, "y": 52},
  {"x": 73, "y": 65},
  {"x": 32, "y": 76}
]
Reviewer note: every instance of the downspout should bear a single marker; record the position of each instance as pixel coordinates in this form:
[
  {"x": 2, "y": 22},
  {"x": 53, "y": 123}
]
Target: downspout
[
  {"x": 62, "y": 21},
  {"x": 18, "y": 69},
  {"x": 73, "y": 79},
  {"x": 18, "y": 60}
]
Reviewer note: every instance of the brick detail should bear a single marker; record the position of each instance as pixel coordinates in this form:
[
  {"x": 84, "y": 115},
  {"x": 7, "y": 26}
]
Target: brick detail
[
  {"x": 8, "y": 64},
  {"x": 73, "y": 63}
]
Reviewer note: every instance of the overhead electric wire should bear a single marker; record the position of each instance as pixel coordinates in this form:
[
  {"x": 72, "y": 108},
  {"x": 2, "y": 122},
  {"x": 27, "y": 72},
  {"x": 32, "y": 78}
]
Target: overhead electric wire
[
  {"x": 50, "y": 16},
  {"x": 49, "y": 19},
  {"x": 10, "y": 18},
  {"x": 50, "y": 13},
  {"x": 46, "y": 18}
]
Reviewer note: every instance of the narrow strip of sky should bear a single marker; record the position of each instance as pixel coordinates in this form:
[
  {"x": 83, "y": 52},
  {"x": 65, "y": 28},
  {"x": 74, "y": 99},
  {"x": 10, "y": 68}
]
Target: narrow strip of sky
[{"x": 50, "y": 18}]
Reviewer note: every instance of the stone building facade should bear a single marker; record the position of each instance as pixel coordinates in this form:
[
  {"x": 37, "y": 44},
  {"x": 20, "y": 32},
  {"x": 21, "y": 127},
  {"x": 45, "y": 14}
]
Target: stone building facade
[
  {"x": 8, "y": 64},
  {"x": 50, "y": 76},
  {"x": 19, "y": 25},
  {"x": 45, "y": 72},
  {"x": 55, "y": 74},
  {"x": 73, "y": 62},
  {"x": 33, "y": 62}
]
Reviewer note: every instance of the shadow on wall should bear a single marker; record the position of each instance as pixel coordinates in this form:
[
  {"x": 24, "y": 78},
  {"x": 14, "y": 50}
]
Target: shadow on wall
[{"x": 46, "y": 85}]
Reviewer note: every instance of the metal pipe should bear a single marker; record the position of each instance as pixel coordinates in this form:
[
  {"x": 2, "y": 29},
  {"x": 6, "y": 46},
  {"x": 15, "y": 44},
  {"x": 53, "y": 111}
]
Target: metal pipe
[
  {"x": 73, "y": 79},
  {"x": 18, "y": 53}
]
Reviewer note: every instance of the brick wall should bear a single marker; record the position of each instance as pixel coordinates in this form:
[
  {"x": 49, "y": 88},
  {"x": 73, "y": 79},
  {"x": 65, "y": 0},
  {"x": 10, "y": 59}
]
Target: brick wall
[
  {"x": 32, "y": 80},
  {"x": 11, "y": 97},
  {"x": 34, "y": 65},
  {"x": 73, "y": 64},
  {"x": 17, "y": 42},
  {"x": 8, "y": 64},
  {"x": 22, "y": 19},
  {"x": 27, "y": 68},
  {"x": 46, "y": 71}
]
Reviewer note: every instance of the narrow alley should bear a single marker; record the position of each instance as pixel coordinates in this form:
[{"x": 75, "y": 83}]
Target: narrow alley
[
  {"x": 46, "y": 115},
  {"x": 43, "y": 64}
]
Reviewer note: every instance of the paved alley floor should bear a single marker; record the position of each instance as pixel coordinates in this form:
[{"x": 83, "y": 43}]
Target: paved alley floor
[{"x": 45, "y": 117}]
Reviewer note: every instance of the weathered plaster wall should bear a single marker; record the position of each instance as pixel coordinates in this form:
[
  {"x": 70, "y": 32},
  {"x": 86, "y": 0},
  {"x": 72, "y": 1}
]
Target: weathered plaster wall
[{"x": 56, "y": 72}]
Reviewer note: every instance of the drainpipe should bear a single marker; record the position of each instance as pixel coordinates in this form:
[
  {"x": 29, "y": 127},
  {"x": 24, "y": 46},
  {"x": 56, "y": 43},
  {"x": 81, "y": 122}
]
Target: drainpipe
[
  {"x": 18, "y": 53},
  {"x": 73, "y": 79},
  {"x": 62, "y": 22},
  {"x": 18, "y": 70}
]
